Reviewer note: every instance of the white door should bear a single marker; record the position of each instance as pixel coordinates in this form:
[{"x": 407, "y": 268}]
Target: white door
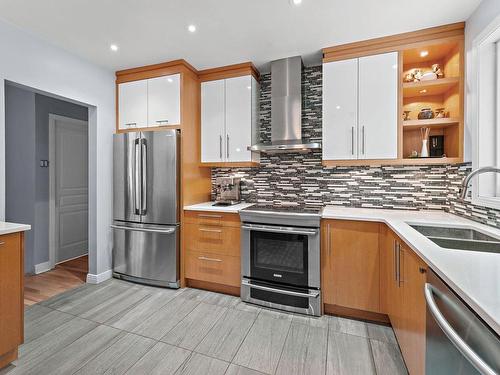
[
  {"x": 212, "y": 121},
  {"x": 69, "y": 164},
  {"x": 133, "y": 104},
  {"x": 378, "y": 106},
  {"x": 238, "y": 119},
  {"x": 340, "y": 110},
  {"x": 164, "y": 100}
]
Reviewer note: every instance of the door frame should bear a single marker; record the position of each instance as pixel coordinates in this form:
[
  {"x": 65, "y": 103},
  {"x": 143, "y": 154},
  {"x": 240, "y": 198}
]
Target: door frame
[{"x": 53, "y": 240}]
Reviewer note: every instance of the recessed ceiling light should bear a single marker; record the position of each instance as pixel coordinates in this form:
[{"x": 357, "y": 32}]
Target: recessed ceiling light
[
  {"x": 192, "y": 28},
  {"x": 424, "y": 53},
  {"x": 296, "y": 2},
  {"x": 113, "y": 47}
]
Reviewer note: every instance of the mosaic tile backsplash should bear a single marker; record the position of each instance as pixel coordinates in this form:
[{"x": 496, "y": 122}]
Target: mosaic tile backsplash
[{"x": 300, "y": 179}]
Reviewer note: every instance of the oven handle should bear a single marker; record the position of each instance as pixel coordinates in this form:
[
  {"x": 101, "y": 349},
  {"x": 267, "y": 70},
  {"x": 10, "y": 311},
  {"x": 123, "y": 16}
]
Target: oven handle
[
  {"x": 281, "y": 291},
  {"x": 265, "y": 228},
  {"x": 452, "y": 335}
]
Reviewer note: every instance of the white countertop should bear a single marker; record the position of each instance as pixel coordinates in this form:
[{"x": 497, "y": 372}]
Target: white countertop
[
  {"x": 6, "y": 228},
  {"x": 208, "y": 206},
  {"x": 474, "y": 276}
]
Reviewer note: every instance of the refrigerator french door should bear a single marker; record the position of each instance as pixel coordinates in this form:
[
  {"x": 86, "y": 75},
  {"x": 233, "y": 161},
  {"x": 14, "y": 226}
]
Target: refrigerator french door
[{"x": 146, "y": 207}]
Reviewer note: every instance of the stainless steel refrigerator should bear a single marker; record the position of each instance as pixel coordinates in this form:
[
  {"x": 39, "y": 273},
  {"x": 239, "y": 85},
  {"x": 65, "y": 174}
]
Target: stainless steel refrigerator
[{"x": 146, "y": 207}]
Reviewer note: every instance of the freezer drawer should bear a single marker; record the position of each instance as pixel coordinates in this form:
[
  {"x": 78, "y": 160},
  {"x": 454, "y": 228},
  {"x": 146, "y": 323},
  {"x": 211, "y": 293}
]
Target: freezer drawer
[{"x": 146, "y": 253}]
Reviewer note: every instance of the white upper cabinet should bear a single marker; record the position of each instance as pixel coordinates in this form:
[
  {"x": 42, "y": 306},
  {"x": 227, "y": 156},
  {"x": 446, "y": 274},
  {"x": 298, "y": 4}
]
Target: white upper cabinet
[
  {"x": 360, "y": 108},
  {"x": 340, "y": 110},
  {"x": 238, "y": 118},
  {"x": 378, "y": 106},
  {"x": 212, "y": 120},
  {"x": 133, "y": 104},
  {"x": 229, "y": 123},
  {"x": 164, "y": 100},
  {"x": 149, "y": 102}
]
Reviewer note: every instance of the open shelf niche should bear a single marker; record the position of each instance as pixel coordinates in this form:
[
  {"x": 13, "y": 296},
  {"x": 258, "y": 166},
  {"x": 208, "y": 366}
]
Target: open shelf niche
[{"x": 446, "y": 92}]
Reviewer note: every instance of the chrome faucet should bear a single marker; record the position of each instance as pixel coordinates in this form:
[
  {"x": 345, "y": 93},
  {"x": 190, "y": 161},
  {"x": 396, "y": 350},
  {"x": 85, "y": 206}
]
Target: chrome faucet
[{"x": 466, "y": 181}]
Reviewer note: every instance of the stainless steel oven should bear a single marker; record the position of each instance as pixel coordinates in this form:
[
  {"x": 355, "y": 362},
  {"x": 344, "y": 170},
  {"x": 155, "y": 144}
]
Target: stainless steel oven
[{"x": 281, "y": 263}]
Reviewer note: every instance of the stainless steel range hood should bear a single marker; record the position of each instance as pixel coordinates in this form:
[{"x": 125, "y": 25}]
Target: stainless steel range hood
[{"x": 286, "y": 109}]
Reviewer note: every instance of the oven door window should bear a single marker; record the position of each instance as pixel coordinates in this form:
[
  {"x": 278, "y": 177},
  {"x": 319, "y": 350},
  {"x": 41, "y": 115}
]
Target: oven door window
[{"x": 279, "y": 257}]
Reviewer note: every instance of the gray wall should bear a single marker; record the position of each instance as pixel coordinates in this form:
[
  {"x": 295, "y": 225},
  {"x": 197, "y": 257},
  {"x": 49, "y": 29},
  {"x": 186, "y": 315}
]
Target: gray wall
[
  {"x": 20, "y": 164},
  {"x": 43, "y": 106}
]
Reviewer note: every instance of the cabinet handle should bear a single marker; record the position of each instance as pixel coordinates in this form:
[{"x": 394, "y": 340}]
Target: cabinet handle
[
  {"x": 210, "y": 230},
  {"x": 210, "y": 259},
  {"x": 352, "y": 140},
  {"x": 210, "y": 216},
  {"x": 363, "y": 139},
  {"x": 131, "y": 124},
  {"x": 160, "y": 121},
  {"x": 227, "y": 146},
  {"x": 220, "y": 146},
  {"x": 2, "y": 243}
]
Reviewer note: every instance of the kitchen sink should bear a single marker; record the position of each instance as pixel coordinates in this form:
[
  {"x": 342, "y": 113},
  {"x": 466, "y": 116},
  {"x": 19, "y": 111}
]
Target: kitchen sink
[{"x": 460, "y": 238}]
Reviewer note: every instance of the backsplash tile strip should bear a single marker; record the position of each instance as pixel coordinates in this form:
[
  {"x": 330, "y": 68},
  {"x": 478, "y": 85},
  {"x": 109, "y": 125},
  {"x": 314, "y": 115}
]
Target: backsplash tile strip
[{"x": 301, "y": 179}]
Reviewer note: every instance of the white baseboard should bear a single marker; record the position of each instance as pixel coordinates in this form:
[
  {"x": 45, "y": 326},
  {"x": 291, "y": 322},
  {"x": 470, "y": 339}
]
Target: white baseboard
[
  {"x": 99, "y": 278},
  {"x": 42, "y": 267}
]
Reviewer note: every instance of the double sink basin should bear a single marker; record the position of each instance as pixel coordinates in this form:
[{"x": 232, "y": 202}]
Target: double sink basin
[{"x": 459, "y": 238}]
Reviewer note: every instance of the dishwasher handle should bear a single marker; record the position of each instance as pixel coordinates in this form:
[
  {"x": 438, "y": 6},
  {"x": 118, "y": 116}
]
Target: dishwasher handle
[{"x": 453, "y": 336}]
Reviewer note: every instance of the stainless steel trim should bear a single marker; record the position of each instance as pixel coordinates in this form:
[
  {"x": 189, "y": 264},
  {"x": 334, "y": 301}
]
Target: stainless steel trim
[
  {"x": 144, "y": 176},
  {"x": 210, "y": 230},
  {"x": 352, "y": 140},
  {"x": 363, "y": 137},
  {"x": 138, "y": 229},
  {"x": 227, "y": 146},
  {"x": 161, "y": 121},
  {"x": 210, "y": 259},
  {"x": 210, "y": 216},
  {"x": 276, "y": 148},
  {"x": 281, "y": 291},
  {"x": 220, "y": 146},
  {"x": 453, "y": 336},
  {"x": 273, "y": 229},
  {"x": 137, "y": 191}
]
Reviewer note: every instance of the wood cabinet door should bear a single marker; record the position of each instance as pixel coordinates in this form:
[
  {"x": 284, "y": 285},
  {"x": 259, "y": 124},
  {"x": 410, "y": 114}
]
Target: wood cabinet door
[
  {"x": 238, "y": 98},
  {"x": 340, "y": 110},
  {"x": 212, "y": 121},
  {"x": 11, "y": 292},
  {"x": 414, "y": 311},
  {"x": 355, "y": 269},
  {"x": 378, "y": 106},
  {"x": 327, "y": 284},
  {"x": 164, "y": 100},
  {"x": 388, "y": 282},
  {"x": 133, "y": 104}
]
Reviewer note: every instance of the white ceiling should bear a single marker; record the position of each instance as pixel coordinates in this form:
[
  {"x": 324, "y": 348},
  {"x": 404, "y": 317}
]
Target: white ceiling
[{"x": 228, "y": 31}]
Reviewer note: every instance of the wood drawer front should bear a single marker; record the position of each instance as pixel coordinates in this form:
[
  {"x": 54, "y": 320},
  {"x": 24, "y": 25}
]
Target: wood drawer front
[
  {"x": 218, "y": 269},
  {"x": 213, "y": 239},
  {"x": 212, "y": 218},
  {"x": 11, "y": 292}
]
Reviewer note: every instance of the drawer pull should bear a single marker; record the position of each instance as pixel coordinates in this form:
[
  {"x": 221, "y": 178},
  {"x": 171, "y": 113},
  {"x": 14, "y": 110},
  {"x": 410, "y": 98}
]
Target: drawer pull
[
  {"x": 210, "y": 216},
  {"x": 210, "y": 259},
  {"x": 210, "y": 230},
  {"x": 2, "y": 243},
  {"x": 131, "y": 124}
]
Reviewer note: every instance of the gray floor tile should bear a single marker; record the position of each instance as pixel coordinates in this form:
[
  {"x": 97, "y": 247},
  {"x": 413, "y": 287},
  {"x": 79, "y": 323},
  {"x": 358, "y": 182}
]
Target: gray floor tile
[
  {"x": 244, "y": 306},
  {"x": 276, "y": 314},
  {"x": 74, "y": 293},
  {"x": 304, "y": 352},
  {"x": 199, "y": 364},
  {"x": 162, "y": 359},
  {"x": 381, "y": 333},
  {"x": 240, "y": 370},
  {"x": 223, "y": 300},
  {"x": 130, "y": 319},
  {"x": 263, "y": 345},
  {"x": 74, "y": 356},
  {"x": 225, "y": 338},
  {"x": 36, "y": 325},
  {"x": 348, "y": 326},
  {"x": 35, "y": 312},
  {"x": 166, "y": 318},
  {"x": 387, "y": 357},
  {"x": 119, "y": 357},
  {"x": 348, "y": 354},
  {"x": 195, "y": 294},
  {"x": 193, "y": 328},
  {"x": 320, "y": 322}
]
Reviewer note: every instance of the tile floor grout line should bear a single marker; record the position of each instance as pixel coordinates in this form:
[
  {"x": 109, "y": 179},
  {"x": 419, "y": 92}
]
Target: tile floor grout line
[
  {"x": 372, "y": 357},
  {"x": 283, "y": 348}
]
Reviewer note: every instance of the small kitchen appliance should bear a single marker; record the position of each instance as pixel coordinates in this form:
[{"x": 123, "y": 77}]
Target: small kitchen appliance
[
  {"x": 227, "y": 191},
  {"x": 436, "y": 146}
]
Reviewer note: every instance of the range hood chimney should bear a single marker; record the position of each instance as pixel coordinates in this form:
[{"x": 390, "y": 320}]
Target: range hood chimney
[{"x": 286, "y": 109}]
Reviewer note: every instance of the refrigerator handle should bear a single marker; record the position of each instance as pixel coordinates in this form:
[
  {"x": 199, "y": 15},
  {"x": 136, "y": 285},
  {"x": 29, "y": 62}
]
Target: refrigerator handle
[
  {"x": 144, "y": 176},
  {"x": 137, "y": 168}
]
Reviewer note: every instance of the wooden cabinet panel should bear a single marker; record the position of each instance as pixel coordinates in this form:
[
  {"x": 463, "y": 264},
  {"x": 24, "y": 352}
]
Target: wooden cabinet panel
[
  {"x": 212, "y": 218},
  {"x": 11, "y": 292},
  {"x": 352, "y": 276},
  {"x": 223, "y": 240},
  {"x": 213, "y": 268}
]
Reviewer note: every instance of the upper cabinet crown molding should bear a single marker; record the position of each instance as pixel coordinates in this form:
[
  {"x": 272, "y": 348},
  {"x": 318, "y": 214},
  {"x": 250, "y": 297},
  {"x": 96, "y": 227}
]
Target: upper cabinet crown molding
[
  {"x": 155, "y": 70},
  {"x": 229, "y": 71}
]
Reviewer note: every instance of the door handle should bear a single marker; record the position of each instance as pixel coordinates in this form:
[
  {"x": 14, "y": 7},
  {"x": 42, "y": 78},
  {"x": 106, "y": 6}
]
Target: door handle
[
  {"x": 144, "y": 176},
  {"x": 352, "y": 140},
  {"x": 210, "y": 230},
  {"x": 280, "y": 291},
  {"x": 220, "y": 146},
  {"x": 131, "y": 124},
  {"x": 149, "y": 230},
  {"x": 452, "y": 335},
  {"x": 161, "y": 121},
  {"x": 363, "y": 139},
  {"x": 227, "y": 146},
  {"x": 210, "y": 259},
  {"x": 137, "y": 167}
]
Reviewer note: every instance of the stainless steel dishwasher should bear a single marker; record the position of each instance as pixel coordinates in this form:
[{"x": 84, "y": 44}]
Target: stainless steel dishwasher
[{"x": 458, "y": 341}]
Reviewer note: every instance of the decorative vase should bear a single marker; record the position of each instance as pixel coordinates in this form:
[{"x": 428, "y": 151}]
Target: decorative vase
[{"x": 425, "y": 150}]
